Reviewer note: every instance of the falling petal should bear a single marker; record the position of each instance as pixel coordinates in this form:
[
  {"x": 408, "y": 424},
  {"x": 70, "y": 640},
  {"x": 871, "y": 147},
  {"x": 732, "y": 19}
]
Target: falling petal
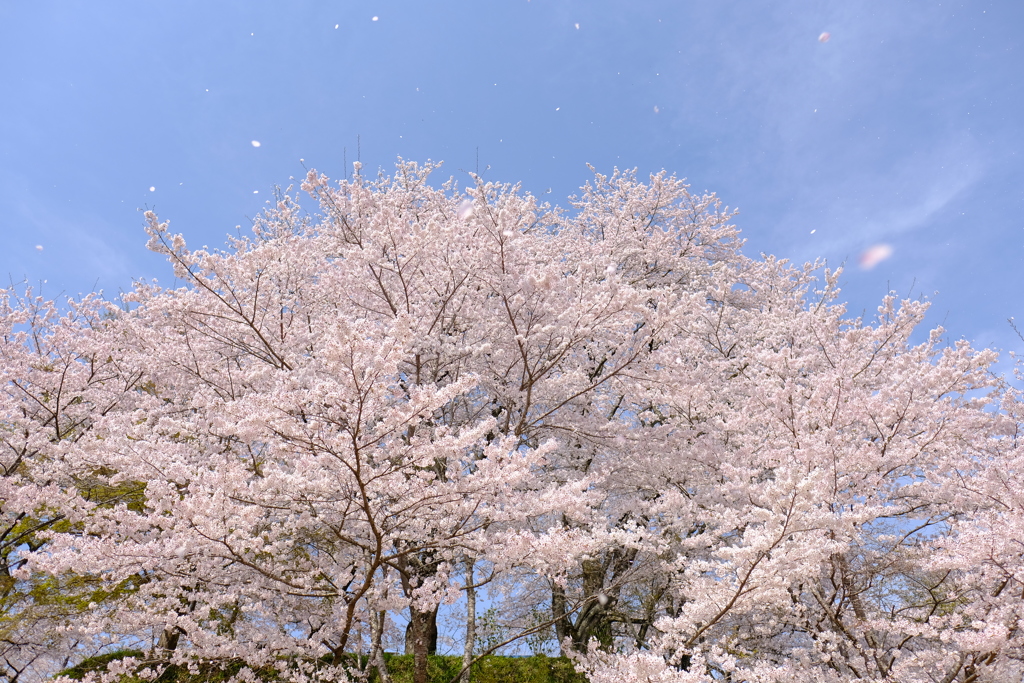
[
  {"x": 39, "y": 247},
  {"x": 872, "y": 256},
  {"x": 375, "y": 18},
  {"x": 152, "y": 189},
  {"x": 255, "y": 143},
  {"x": 823, "y": 38}
]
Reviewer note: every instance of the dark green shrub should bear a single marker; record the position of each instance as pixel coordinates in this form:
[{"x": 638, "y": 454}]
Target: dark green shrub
[
  {"x": 490, "y": 669},
  {"x": 98, "y": 663},
  {"x": 441, "y": 669}
]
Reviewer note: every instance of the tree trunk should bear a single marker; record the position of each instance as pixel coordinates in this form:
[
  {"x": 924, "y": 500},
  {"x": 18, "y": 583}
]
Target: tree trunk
[
  {"x": 594, "y": 617},
  {"x": 421, "y": 640},
  {"x": 168, "y": 640},
  {"x": 376, "y": 658},
  {"x": 563, "y": 627},
  {"x": 421, "y": 633},
  {"x": 429, "y": 621},
  {"x": 467, "y": 652}
]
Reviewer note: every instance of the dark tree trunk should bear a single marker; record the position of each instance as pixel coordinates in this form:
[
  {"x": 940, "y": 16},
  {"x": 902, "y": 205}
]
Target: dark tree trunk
[
  {"x": 168, "y": 640},
  {"x": 598, "y": 612},
  {"x": 594, "y": 620},
  {"x": 429, "y": 621},
  {"x": 421, "y": 640},
  {"x": 421, "y": 633},
  {"x": 165, "y": 646},
  {"x": 563, "y": 626}
]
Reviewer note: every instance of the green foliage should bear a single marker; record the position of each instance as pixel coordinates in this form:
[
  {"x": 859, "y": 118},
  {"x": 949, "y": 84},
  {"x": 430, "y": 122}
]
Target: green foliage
[
  {"x": 489, "y": 631},
  {"x": 542, "y": 641},
  {"x": 97, "y": 663},
  {"x": 536, "y": 669},
  {"x": 172, "y": 674},
  {"x": 441, "y": 669}
]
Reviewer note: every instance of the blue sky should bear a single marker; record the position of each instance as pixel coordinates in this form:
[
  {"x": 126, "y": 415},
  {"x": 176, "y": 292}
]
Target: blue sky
[{"x": 904, "y": 128}]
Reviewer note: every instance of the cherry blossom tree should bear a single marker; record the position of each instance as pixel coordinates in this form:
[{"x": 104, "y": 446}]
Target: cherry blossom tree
[
  {"x": 811, "y": 493},
  {"x": 56, "y": 384},
  {"x": 694, "y": 463}
]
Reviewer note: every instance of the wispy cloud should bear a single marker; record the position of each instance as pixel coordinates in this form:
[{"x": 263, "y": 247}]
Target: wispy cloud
[
  {"x": 83, "y": 252},
  {"x": 874, "y": 206}
]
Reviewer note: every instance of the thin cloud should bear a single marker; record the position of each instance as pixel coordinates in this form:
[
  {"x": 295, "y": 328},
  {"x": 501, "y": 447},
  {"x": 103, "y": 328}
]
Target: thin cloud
[
  {"x": 870, "y": 208},
  {"x": 80, "y": 244}
]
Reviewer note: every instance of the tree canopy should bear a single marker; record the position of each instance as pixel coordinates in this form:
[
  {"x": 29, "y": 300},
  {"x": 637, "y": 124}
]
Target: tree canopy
[{"x": 679, "y": 463}]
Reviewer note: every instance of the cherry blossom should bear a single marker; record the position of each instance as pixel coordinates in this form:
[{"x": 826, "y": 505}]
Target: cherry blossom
[{"x": 690, "y": 463}]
